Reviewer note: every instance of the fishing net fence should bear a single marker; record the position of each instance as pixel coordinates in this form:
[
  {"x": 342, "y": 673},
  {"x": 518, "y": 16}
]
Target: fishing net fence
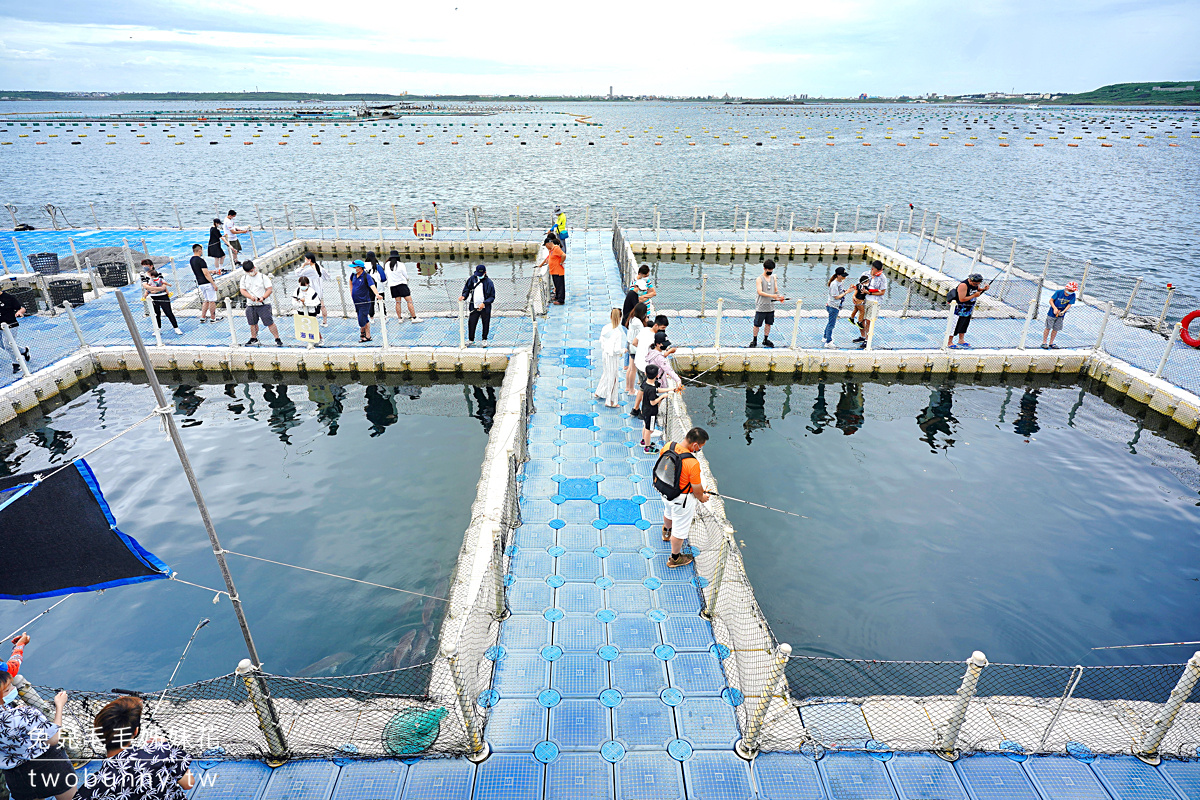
[
  {"x": 787, "y": 702},
  {"x": 435, "y": 708}
]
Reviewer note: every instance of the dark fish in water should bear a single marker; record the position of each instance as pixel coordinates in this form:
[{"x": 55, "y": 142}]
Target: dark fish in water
[
  {"x": 431, "y": 606},
  {"x": 326, "y": 664},
  {"x": 417, "y": 654},
  {"x": 403, "y": 648},
  {"x": 408, "y": 608}
]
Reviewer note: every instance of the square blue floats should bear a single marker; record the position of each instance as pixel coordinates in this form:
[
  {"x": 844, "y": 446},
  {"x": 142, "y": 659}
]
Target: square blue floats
[
  {"x": 995, "y": 777},
  {"x": 576, "y": 776},
  {"x": 577, "y": 420},
  {"x": 643, "y": 724},
  {"x": 521, "y": 675},
  {"x": 922, "y": 776},
  {"x": 439, "y": 779},
  {"x": 516, "y": 725},
  {"x": 649, "y": 776},
  {"x": 577, "y": 488},
  {"x": 370, "y": 780},
  {"x": 856, "y": 776},
  {"x": 510, "y": 777},
  {"x": 787, "y": 776},
  {"x": 639, "y": 674},
  {"x": 718, "y": 776},
  {"x": 579, "y": 725},
  {"x": 580, "y": 675},
  {"x": 696, "y": 673},
  {"x": 621, "y": 512}
]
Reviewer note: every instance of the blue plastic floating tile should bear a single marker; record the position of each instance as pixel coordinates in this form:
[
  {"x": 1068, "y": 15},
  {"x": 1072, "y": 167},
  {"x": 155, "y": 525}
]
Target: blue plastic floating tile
[
  {"x": 841, "y": 723},
  {"x": 687, "y": 632},
  {"x": 855, "y": 776},
  {"x": 521, "y": 675},
  {"x": 624, "y": 538},
  {"x": 696, "y": 673},
  {"x": 577, "y": 513},
  {"x": 922, "y": 776},
  {"x": 614, "y": 468},
  {"x": 370, "y": 780},
  {"x": 542, "y": 450},
  {"x": 233, "y": 780},
  {"x": 439, "y": 779},
  {"x": 579, "y": 598},
  {"x": 577, "y": 488},
  {"x": 649, "y": 776},
  {"x": 633, "y": 633},
  {"x": 536, "y": 510},
  {"x": 579, "y": 776},
  {"x": 639, "y": 674},
  {"x": 577, "y": 451},
  {"x": 1185, "y": 776},
  {"x": 579, "y": 566},
  {"x": 1127, "y": 778},
  {"x": 510, "y": 777},
  {"x": 534, "y": 536},
  {"x": 994, "y": 777},
  {"x": 629, "y": 598},
  {"x": 516, "y": 724},
  {"x": 677, "y": 598},
  {"x": 643, "y": 724},
  {"x": 658, "y": 566},
  {"x": 613, "y": 450},
  {"x": 540, "y": 469},
  {"x": 577, "y": 361},
  {"x": 707, "y": 723},
  {"x": 532, "y": 564},
  {"x": 529, "y": 596},
  {"x": 577, "y": 469},
  {"x": 626, "y": 566},
  {"x": 787, "y": 776},
  {"x": 580, "y": 675},
  {"x": 522, "y": 632},
  {"x": 621, "y": 512},
  {"x": 577, "y": 420},
  {"x": 579, "y": 725},
  {"x": 718, "y": 776},
  {"x": 579, "y": 634},
  {"x": 301, "y": 780},
  {"x": 623, "y": 490},
  {"x": 612, "y": 433},
  {"x": 579, "y": 537},
  {"x": 1064, "y": 778},
  {"x": 577, "y": 351}
]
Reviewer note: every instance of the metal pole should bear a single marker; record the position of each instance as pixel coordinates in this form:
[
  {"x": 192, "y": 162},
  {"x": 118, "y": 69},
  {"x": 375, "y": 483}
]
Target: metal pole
[
  {"x": 957, "y": 231},
  {"x": 342, "y": 295},
  {"x": 1076, "y": 674},
  {"x": 791, "y": 226},
  {"x": 1166, "y": 305},
  {"x": 899, "y": 230},
  {"x": 873, "y": 315},
  {"x": 462, "y": 324},
  {"x": 1087, "y": 265},
  {"x": 253, "y": 244},
  {"x": 96, "y": 283},
  {"x": 857, "y": 209},
  {"x": 257, "y": 213},
  {"x": 383, "y": 321},
  {"x": 878, "y": 227},
  {"x": 1033, "y": 304},
  {"x": 948, "y": 740},
  {"x": 746, "y": 230},
  {"x": 833, "y": 234},
  {"x": 747, "y": 746},
  {"x": 94, "y": 217},
  {"x": 796, "y": 323},
  {"x": 4, "y": 263},
  {"x": 1166, "y": 717},
  {"x": 817, "y": 220},
  {"x": 287, "y": 217},
  {"x": 777, "y": 209},
  {"x": 703, "y": 293},
  {"x": 1108, "y": 309},
  {"x": 264, "y": 709},
  {"x": 654, "y": 218},
  {"x": 337, "y": 233},
  {"x": 157, "y": 332},
  {"x": 519, "y": 216},
  {"x": 982, "y": 239},
  {"x": 1166, "y": 352},
  {"x": 1136, "y": 285},
  {"x": 145, "y": 249},
  {"x": 710, "y": 606},
  {"x": 907, "y": 298},
  {"x": 950, "y": 320},
  {"x": 20, "y": 257},
  {"x": 924, "y": 216},
  {"x": 717, "y": 330},
  {"x": 135, "y": 216},
  {"x": 169, "y": 421},
  {"x": 695, "y": 216},
  {"x": 229, "y": 316},
  {"x": 313, "y": 212},
  {"x": 74, "y": 253},
  {"x": 736, "y": 209},
  {"x": 480, "y": 749},
  {"x": 886, "y": 210},
  {"x": 911, "y": 211},
  {"x": 12, "y": 345},
  {"x": 178, "y": 220},
  {"x": 702, "y": 216},
  {"x": 920, "y": 239},
  {"x": 274, "y": 238},
  {"x": 936, "y": 219}
]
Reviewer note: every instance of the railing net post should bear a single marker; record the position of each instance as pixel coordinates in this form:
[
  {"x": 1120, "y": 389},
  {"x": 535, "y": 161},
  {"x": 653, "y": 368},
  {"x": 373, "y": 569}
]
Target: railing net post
[
  {"x": 1108, "y": 309},
  {"x": 703, "y": 293},
  {"x": 462, "y": 325},
  {"x": 264, "y": 709},
  {"x": 1166, "y": 716},
  {"x": 873, "y": 315},
  {"x": 710, "y": 607},
  {"x": 480, "y": 749},
  {"x": 717, "y": 331},
  {"x": 229, "y": 316},
  {"x": 11, "y": 344},
  {"x": 948, "y": 739},
  {"x": 747, "y": 746},
  {"x": 1128, "y": 305},
  {"x": 796, "y": 323},
  {"x": 1167, "y": 350},
  {"x": 75, "y": 323}
]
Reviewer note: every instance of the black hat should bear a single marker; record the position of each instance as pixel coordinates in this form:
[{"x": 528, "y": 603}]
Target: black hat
[
  {"x": 840, "y": 272},
  {"x": 661, "y": 338},
  {"x": 394, "y": 254}
]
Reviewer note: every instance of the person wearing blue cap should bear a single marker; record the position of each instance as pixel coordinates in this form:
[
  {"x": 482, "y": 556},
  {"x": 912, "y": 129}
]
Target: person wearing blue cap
[
  {"x": 480, "y": 292},
  {"x": 364, "y": 294}
]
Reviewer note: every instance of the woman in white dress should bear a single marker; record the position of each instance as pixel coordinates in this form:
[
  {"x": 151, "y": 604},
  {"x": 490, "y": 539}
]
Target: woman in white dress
[
  {"x": 612, "y": 351},
  {"x": 634, "y": 322}
]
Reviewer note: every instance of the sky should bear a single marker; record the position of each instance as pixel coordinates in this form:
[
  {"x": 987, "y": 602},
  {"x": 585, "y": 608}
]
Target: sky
[{"x": 831, "y": 48}]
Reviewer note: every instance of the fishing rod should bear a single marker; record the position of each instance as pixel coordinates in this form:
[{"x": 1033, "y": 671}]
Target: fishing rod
[
  {"x": 35, "y": 619},
  {"x": 179, "y": 663},
  {"x": 758, "y": 505},
  {"x": 1157, "y": 644}
]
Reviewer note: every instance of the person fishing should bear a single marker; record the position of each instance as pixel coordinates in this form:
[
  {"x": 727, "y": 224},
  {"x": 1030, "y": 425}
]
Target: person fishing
[
  {"x": 677, "y": 478},
  {"x": 482, "y": 293},
  {"x": 964, "y": 297},
  {"x": 156, "y": 287},
  {"x": 34, "y": 763},
  {"x": 877, "y": 286},
  {"x": 1060, "y": 303},
  {"x": 766, "y": 295}
]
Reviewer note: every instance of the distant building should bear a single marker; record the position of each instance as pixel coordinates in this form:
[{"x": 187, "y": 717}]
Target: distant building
[
  {"x": 610, "y": 93},
  {"x": 862, "y": 96},
  {"x": 1173, "y": 88}
]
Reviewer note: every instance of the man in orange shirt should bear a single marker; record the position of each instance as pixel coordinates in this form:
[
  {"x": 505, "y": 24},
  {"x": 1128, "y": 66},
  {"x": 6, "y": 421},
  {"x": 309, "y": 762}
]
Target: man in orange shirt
[
  {"x": 555, "y": 258},
  {"x": 680, "y": 511}
]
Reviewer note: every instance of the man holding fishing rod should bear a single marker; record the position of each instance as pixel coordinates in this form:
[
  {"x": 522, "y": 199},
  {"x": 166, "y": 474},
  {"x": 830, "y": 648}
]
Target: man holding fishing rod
[
  {"x": 964, "y": 297},
  {"x": 677, "y": 478}
]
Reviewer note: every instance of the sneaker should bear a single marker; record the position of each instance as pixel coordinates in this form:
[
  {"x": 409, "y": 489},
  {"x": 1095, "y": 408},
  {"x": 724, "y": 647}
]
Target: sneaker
[
  {"x": 16, "y": 368},
  {"x": 862, "y": 346},
  {"x": 830, "y": 346},
  {"x": 252, "y": 343},
  {"x": 178, "y": 332},
  {"x": 1052, "y": 347},
  {"x": 964, "y": 346},
  {"x": 754, "y": 342},
  {"x": 324, "y": 323},
  {"x": 278, "y": 342},
  {"x": 681, "y": 560},
  {"x": 415, "y": 320},
  {"x": 1045, "y": 346},
  {"x": 859, "y": 339},
  {"x": 651, "y": 448},
  {"x": 767, "y": 342},
  {"x": 636, "y": 414},
  {"x": 25, "y": 352}
]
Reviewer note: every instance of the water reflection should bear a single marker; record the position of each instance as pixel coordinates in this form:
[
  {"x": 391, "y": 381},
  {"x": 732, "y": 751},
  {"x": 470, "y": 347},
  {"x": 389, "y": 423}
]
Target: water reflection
[
  {"x": 484, "y": 405},
  {"x": 938, "y": 417},
  {"x": 380, "y": 408},
  {"x": 850, "y": 413},
  {"x": 756, "y": 411},
  {"x": 820, "y": 417},
  {"x": 1026, "y": 423},
  {"x": 284, "y": 416}
]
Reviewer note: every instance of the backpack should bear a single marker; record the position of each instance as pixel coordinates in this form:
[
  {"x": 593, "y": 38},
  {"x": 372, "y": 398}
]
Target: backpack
[{"x": 667, "y": 470}]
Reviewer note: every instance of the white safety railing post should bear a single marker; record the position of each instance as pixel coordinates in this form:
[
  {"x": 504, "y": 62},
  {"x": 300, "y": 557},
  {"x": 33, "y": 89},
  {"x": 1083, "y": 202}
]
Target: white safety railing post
[
  {"x": 1087, "y": 265},
  {"x": 746, "y": 230},
  {"x": 587, "y": 212},
  {"x": 736, "y": 211},
  {"x": 1128, "y": 305},
  {"x": 287, "y": 217},
  {"x": 75, "y": 323},
  {"x": 1167, "y": 351},
  {"x": 379, "y": 227},
  {"x": 342, "y": 295},
  {"x": 717, "y": 328},
  {"x": 337, "y": 231},
  {"x": 11, "y": 343},
  {"x": 1072, "y": 682},
  {"x": 907, "y": 298},
  {"x": 1033, "y": 304},
  {"x": 312, "y": 212},
  {"x": 4, "y": 263},
  {"x": 21, "y": 257},
  {"x": 274, "y": 238},
  {"x": 44, "y": 288},
  {"x": 462, "y": 324},
  {"x": 654, "y": 218},
  {"x": 135, "y": 216},
  {"x": 791, "y": 226},
  {"x": 74, "y": 253},
  {"x": 776, "y": 226},
  {"x": 178, "y": 220},
  {"x": 383, "y": 322},
  {"x": 936, "y": 221},
  {"x": 480, "y": 749},
  {"x": 695, "y": 216},
  {"x": 982, "y": 239},
  {"x": 264, "y": 709},
  {"x": 253, "y": 244},
  {"x": 157, "y": 330},
  {"x": 703, "y": 293},
  {"x": 747, "y": 746},
  {"x": 519, "y": 216},
  {"x": 873, "y": 315},
  {"x": 257, "y": 213},
  {"x": 957, "y": 233},
  {"x": 951, "y": 318},
  {"x": 1162, "y": 317},
  {"x": 878, "y": 226},
  {"x": 1108, "y": 309},
  {"x": 95, "y": 219},
  {"x": 817, "y": 220},
  {"x": 899, "y": 230},
  {"x": 703, "y": 214},
  {"x": 947, "y": 741},
  {"x": 857, "y": 209},
  {"x": 920, "y": 240},
  {"x": 95, "y": 281},
  {"x": 129, "y": 268},
  {"x": 1166, "y": 715},
  {"x": 229, "y": 317},
  {"x": 833, "y": 233},
  {"x": 796, "y": 323},
  {"x": 911, "y": 211},
  {"x": 709, "y": 611}
]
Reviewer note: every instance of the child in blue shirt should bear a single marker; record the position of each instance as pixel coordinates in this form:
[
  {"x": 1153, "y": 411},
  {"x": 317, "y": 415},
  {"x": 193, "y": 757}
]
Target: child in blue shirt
[{"x": 1060, "y": 302}]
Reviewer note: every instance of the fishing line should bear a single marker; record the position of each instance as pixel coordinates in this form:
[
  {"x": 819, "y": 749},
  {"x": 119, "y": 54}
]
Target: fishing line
[
  {"x": 1157, "y": 644},
  {"x": 758, "y": 505},
  {"x": 332, "y": 575},
  {"x": 179, "y": 663},
  {"x": 39, "y": 616}
]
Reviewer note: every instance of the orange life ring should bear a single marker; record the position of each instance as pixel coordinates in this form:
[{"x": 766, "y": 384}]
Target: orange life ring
[
  {"x": 423, "y": 229},
  {"x": 1185, "y": 334}
]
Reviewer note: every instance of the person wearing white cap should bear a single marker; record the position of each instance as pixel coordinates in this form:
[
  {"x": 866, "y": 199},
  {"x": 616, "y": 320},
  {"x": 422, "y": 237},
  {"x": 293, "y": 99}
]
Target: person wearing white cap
[
  {"x": 559, "y": 228},
  {"x": 1060, "y": 302}
]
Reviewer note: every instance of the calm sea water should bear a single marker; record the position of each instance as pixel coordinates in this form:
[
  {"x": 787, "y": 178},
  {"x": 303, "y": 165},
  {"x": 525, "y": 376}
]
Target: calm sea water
[
  {"x": 1130, "y": 209},
  {"x": 1030, "y": 523},
  {"x": 370, "y": 482}
]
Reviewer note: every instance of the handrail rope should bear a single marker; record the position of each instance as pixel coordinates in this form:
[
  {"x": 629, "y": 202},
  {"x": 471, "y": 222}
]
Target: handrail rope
[
  {"x": 174, "y": 576},
  {"x": 333, "y": 575}
]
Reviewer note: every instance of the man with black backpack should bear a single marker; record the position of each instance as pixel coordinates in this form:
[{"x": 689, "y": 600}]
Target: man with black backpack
[{"x": 677, "y": 479}]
